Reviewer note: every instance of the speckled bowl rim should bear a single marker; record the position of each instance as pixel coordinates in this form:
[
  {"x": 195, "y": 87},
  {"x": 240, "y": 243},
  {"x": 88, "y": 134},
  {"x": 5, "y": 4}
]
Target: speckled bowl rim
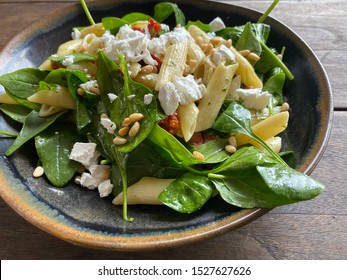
[{"x": 48, "y": 220}]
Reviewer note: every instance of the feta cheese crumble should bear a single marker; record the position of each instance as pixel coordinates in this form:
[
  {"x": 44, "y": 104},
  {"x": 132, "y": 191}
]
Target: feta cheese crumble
[
  {"x": 84, "y": 153},
  {"x": 217, "y": 24},
  {"x": 147, "y": 99},
  {"x": 68, "y": 60},
  {"x": 108, "y": 124},
  {"x": 112, "y": 97},
  {"x": 254, "y": 98},
  {"x": 90, "y": 84}
]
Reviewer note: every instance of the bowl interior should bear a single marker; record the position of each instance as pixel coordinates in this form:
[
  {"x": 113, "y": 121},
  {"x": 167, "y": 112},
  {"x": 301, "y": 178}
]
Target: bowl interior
[{"x": 80, "y": 216}]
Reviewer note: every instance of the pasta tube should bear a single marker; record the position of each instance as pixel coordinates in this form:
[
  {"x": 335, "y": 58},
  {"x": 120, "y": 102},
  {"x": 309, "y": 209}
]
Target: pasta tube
[
  {"x": 173, "y": 63},
  {"x": 6, "y": 99},
  {"x": 69, "y": 47},
  {"x": 265, "y": 129},
  {"x": 213, "y": 99},
  {"x": 195, "y": 55},
  {"x": 145, "y": 191},
  {"x": 60, "y": 97},
  {"x": 187, "y": 115},
  {"x": 246, "y": 71}
]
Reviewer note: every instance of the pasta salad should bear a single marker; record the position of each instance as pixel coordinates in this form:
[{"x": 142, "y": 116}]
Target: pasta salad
[{"x": 152, "y": 113}]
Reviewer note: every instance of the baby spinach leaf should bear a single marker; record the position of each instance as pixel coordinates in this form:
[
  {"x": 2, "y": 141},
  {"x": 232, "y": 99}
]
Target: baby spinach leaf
[
  {"x": 248, "y": 40},
  {"x": 16, "y": 112},
  {"x": 237, "y": 119},
  {"x": 214, "y": 151},
  {"x": 188, "y": 193},
  {"x": 75, "y": 57},
  {"x": 130, "y": 99},
  {"x": 33, "y": 125},
  {"x": 266, "y": 187},
  {"x": 23, "y": 83},
  {"x": 113, "y": 24},
  {"x": 274, "y": 86},
  {"x": 57, "y": 76},
  {"x": 82, "y": 114},
  {"x": 133, "y": 17},
  {"x": 244, "y": 158},
  {"x": 164, "y": 10},
  {"x": 170, "y": 148},
  {"x": 53, "y": 147}
]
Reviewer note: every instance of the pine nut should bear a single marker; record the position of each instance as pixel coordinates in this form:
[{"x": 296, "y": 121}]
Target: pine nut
[
  {"x": 80, "y": 169},
  {"x": 119, "y": 140},
  {"x": 123, "y": 131},
  {"x": 126, "y": 122},
  {"x": 230, "y": 149},
  {"x": 147, "y": 69},
  {"x": 95, "y": 90},
  {"x": 216, "y": 40},
  {"x": 135, "y": 117},
  {"x": 254, "y": 56},
  {"x": 208, "y": 49},
  {"x": 285, "y": 107},
  {"x": 38, "y": 172},
  {"x": 103, "y": 116},
  {"x": 232, "y": 141},
  {"x": 134, "y": 129},
  {"x": 77, "y": 180},
  {"x": 80, "y": 91},
  {"x": 106, "y": 174},
  {"x": 198, "y": 156},
  {"x": 245, "y": 52}
]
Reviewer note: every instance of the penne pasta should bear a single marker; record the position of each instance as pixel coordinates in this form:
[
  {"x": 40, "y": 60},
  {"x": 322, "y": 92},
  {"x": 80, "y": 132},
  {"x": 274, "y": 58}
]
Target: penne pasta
[
  {"x": 60, "y": 97},
  {"x": 246, "y": 71},
  {"x": 187, "y": 115},
  {"x": 173, "y": 64},
  {"x": 6, "y": 99},
  {"x": 49, "y": 110},
  {"x": 194, "y": 56},
  {"x": 69, "y": 47},
  {"x": 213, "y": 99},
  {"x": 145, "y": 191},
  {"x": 265, "y": 129}
]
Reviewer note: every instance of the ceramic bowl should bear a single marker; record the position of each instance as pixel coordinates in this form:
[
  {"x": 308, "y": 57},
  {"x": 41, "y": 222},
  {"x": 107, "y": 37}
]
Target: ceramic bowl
[{"x": 79, "y": 216}]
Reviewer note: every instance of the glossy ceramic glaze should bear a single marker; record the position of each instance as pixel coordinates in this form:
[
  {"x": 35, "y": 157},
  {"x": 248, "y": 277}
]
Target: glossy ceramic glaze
[{"x": 80, "y": 216}]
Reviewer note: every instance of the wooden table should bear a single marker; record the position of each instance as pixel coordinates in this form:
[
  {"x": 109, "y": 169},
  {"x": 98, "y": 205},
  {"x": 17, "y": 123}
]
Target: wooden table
[{"x": 316, "y": 229}]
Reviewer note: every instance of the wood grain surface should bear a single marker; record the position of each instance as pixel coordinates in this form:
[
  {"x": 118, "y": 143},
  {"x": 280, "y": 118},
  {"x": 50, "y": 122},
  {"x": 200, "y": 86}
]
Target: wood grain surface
[{"x": 315, "y": 229}]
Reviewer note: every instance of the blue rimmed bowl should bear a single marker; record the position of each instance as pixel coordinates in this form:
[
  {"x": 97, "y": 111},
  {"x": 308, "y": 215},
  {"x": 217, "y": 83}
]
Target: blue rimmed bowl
[{"x": 80, "y": 216}]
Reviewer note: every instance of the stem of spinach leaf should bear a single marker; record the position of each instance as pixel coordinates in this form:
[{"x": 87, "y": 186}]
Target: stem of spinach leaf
[
  {"x": 8, "y": 133},
  {"x": 268, "y": 11},
  {"x": 86, "y": 10}
]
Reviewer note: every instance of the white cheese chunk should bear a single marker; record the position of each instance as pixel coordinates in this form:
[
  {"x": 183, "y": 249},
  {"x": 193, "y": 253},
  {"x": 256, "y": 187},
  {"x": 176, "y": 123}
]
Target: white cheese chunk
[
  {"x": 131, "y": 43},
  {"x": 254, "y": 98},
  {"x": 217, "y": 24},
  {"x": 147, "y": 99},
  {"x": 108, "y": 124},
  {"x": 97, "y": 175},
  {"x": 105, "y": 188},
  {"x": 187, "y": 89},
  {"x": 85, "y": 153},
  {"x": 169, "y": 98},
  {"x": 222, "y": 53}
]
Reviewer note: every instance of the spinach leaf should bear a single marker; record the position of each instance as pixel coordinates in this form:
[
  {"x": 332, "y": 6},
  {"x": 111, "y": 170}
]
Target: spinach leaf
[
  {"x": 133, "y": 17},
  {"x": 130, "y": 99},
  {"x": 188, "y": 193},
  {"x": 248, "y": 40},
  {"x": 274, "y": 85},
  {"x": 82, "y": 114},
  {"x": 16, "y": 112},
  {"x": 269, "y": 60},
  {"x": 170, "y": 148},
  {"x": 203, "y": 26},
  {"x": 33, "y": 125},
  {"x": 214, "y": 151},
  {"x": 145, "y": 161},
  {"x": 243, "y": 159},
  {"x": 75, "y": 57},
  {"x": 164, "y": 10},
  {"x": 53, "y": 147},
  {"x": 113, "y": 24},
  {"x": 266, "y": 187},
  {"x": 23, "y": 83},
  {"x": 237, "y": 119},
  {"x": 57, "y": 76}
]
